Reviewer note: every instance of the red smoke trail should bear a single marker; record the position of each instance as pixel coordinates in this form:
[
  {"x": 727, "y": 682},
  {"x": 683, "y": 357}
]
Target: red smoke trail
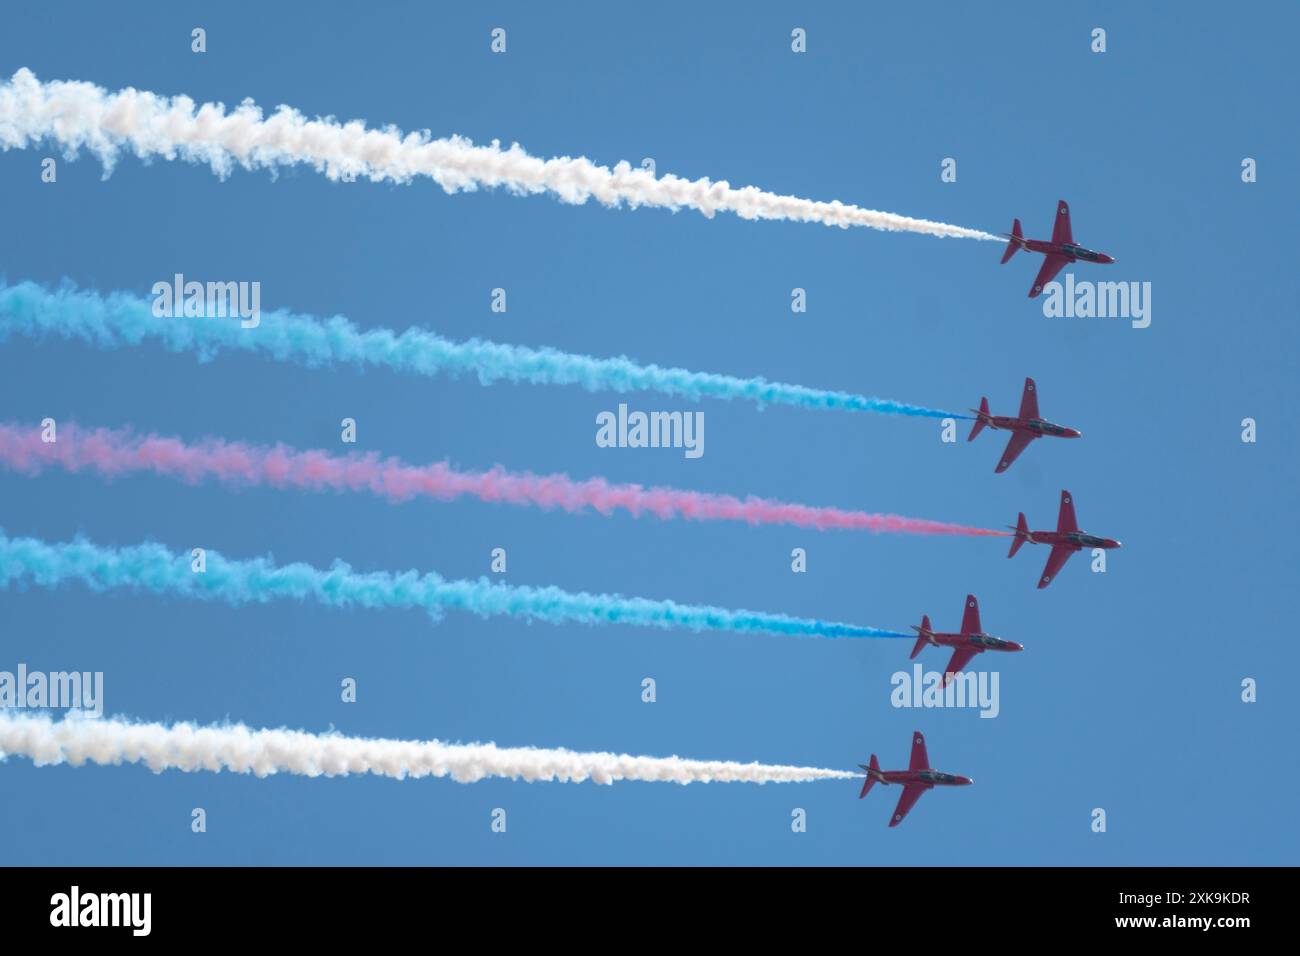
[{"x": 119, "y": 452}]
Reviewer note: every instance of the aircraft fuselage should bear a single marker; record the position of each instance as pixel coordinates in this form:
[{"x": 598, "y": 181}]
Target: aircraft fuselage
[
  {"x": 1076, "y": 540},
  {"x": 925, "y": 778},
  {"x": 979, "y": 642},
  {"x": 1037, "y": 427},
  {"x": 1071, "y": 251}
]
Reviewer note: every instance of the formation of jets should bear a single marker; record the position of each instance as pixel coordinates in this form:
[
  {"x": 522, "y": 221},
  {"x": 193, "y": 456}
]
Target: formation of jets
[{"x": 1024, "y": 428}]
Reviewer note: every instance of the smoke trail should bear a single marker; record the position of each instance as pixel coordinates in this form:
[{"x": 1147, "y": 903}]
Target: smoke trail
[
  {"x": 151, "y": 567},
  {"x": 112, "y": 453},
  {"x": 120, "y": 318},
  {"x": 78, "y": 115},
  {"x": 77, "y": 741}
]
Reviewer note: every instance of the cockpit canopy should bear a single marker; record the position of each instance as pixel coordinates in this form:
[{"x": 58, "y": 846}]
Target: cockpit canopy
[
  {"x": 1070, "y": 249},
  {"x": 937, "y": 776}
]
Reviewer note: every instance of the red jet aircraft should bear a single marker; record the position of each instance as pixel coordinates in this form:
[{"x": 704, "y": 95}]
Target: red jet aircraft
[
  {"x": 916, "y": 779},
  {"x": 1065, "y": 540},
  {"x": 1024, "y": 428},
  {"x": 967, "y": 644},
  {"x": 1060, "y": 252}
]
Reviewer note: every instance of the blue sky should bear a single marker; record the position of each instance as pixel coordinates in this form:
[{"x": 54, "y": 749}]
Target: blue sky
[{"x": 1128, "y": 694}]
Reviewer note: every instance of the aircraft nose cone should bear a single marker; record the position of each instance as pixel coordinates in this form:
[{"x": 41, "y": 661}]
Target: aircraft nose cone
[
  {"x": 1073, "y": 433},
  {"x": 1108, "y": 260},
  {"x": 1116, "y": 544},
  {"x": 1016, "y": 647},
  {"x": 965, "y": 781}
]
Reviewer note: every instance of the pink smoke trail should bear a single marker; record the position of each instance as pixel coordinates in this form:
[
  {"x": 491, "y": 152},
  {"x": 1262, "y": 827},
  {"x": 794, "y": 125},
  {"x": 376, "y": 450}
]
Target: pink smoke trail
[{"x": 110, "y": 453}]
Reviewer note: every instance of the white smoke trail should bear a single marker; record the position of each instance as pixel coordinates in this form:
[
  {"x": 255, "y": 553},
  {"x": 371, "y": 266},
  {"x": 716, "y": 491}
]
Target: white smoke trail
[
  {"x": 77, "y": 740},
  {"x": 79, "y": 115}
]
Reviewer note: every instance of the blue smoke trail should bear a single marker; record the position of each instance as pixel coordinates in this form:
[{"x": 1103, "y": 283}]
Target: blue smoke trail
[
  {"x": 120, "y": 318},
  {"x": 151, "y": 567}
]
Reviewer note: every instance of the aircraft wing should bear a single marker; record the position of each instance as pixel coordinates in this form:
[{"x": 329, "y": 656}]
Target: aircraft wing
[
  {"x": 1029, "y": 400},
  {"x": 1018, "y": 443},
  {"x": 960, "y": 658},
  {"x": 1061, "y": 228},
  {"x": 1065, "y": 521},
  {"x": 911, "y": 793},
  {"x": 1051, "y": 266},
  {"x": 1055, "y": 561},
  {"x": 970, "y": 620},
  {"x": 920, "y": 759}
]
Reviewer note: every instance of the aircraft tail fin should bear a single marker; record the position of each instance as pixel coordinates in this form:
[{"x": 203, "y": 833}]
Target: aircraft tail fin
[
  {"x": 981, "y": 414},
  {"x": 1022, "y": 534},
  {"x": 872, "y": 769},
  {"x": 1015, "y": 236},
  {"x": 920, "y": 635}
]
